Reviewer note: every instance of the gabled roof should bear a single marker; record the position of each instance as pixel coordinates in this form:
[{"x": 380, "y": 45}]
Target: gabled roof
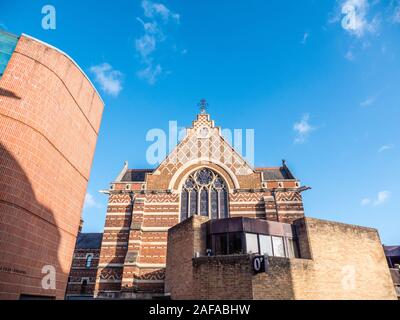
[
  {"x": 89, "y": 241},
  {"x": 202, "y": 139},
  {"x": 136, "y": 175},
  {"x": 276, "y": 173},
  {"x": 139, "y": 175},
  {"x": 199, "y": 144},
  {"x": 392, "y": 251},
  {"x": 132, "y": 175}
]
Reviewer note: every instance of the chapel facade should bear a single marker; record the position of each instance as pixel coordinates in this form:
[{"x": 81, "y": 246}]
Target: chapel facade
[{"x": 203, "y": 176}]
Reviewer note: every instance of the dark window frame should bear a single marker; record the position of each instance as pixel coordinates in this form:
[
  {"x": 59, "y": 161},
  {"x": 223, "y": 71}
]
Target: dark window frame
[{"x": 212, "y": 242}]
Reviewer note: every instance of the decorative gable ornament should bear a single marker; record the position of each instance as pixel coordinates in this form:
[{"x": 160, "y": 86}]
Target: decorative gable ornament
[{"x": 204, "y": 144}]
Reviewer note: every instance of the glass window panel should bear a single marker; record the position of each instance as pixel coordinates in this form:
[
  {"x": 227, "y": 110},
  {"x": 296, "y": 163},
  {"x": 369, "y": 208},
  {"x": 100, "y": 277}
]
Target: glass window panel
[
  {"x": 279, "y": 248},
  {"x": 184, "y": 205},
  {"x": 218, "y": 183},
  {"x": 193, "y": 202},
  {"x": 204, "y": 203},
  {"x": 252, "y": 243},
  {"x": 204, "y": 177},
  {"x": 266, "y": 245},
  {"x": 235, "y": 243},
  {"x": 221, "y": 244},
  {"x": 223, "y": 204},
  {"x": 189, "y": 184},
  {"x": 8, "y": 43},
  {"x": 214, "y": 204},
  {"x": 206, "y": 191},
  {"x": 89, "y": 261},
  {"x": 292, "y": 248}
]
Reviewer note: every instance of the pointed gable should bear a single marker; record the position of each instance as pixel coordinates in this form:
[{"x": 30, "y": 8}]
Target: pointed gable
[{"x": 203, "y": 144}]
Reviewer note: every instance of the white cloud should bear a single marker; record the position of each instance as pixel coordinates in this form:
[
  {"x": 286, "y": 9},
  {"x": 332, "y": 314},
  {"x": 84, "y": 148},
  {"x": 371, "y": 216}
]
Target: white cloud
[
  {"x": 365, "y": 201},
  {"x": 349, "y": 55},
  {"x": 396, "y": 16},
  {"x": 305, "y": 37},
  {"x": 385, "y": 147},
  {"x": 354, "y": 18},
  {"x": 396, "y": 13},
  {"x": 90, "y": 202},
  {"x": 152, "y": 9},
  {"x": 146, "y": 45},
  {"x": 149, "y": 27},
  {"x": 368, "y": 102},
  {"x": 303, "y": 129},
  {"x": 108, "y": 78},
  {"x": 382, "y": 197},
  {"x": 150, "y": 73}
]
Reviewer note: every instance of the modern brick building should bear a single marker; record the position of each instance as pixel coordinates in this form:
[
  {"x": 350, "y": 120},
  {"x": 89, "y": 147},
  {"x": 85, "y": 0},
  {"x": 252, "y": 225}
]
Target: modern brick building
[
  {"x": 325, "y": 261},
  {"x": 82, "y": 278},
  {"x": 50, "y": 116},
  {"x": 203, "y": 182}
]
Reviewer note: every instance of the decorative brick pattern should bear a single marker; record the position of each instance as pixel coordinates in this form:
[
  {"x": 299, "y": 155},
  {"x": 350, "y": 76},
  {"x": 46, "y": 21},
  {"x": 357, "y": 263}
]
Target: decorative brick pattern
[
  {"x": 144, "y": 217},
  {"x": 80, "y": 272}
]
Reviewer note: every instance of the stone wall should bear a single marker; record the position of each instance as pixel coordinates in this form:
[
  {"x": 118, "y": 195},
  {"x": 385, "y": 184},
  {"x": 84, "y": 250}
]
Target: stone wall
[
  {"x": 223, "y": 277},
  {"x": 338, "y": 261},
  {"x": 184, "y": 240},
  {"x": 348, "y": 262}
]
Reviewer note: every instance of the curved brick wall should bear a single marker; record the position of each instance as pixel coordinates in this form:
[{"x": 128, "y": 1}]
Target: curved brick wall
[{"x": 49, "y": 121}]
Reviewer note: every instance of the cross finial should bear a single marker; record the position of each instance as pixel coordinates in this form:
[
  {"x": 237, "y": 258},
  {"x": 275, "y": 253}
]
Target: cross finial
[{"x": 203, "y": 104}]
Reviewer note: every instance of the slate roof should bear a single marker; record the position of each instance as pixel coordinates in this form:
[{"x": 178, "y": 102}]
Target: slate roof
[
  {"x": 392, "y": 251},
  {"x": 276, "y": 173},
  {"x": 89, "y": 241},
  {"x": 136, "y": 175},
  {"x": 395, "y": 276}
]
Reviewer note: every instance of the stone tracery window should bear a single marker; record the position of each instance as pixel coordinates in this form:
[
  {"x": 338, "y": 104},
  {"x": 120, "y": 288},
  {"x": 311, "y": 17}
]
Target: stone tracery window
[{"x": 204, "y": 193}]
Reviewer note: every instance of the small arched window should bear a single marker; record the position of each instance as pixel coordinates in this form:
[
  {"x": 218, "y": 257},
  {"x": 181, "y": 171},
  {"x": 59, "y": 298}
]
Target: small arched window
[
  {"x": 204, "y": 193},
  {"x": 89, "y": 260},
  {"x": 84, "y": 286}
]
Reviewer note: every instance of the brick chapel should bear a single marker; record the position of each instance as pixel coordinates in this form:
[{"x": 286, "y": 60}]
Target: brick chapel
[
  {"x": 144, "y": 204},
  {"x": 190, "y": 228}
]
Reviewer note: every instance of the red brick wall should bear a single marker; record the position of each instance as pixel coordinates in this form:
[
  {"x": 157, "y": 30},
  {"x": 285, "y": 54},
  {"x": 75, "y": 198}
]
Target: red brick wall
[
  {"x": 134, "y": 249},
  {"x": 49, "y": 121},
  {"x": 79, "y": 272}
]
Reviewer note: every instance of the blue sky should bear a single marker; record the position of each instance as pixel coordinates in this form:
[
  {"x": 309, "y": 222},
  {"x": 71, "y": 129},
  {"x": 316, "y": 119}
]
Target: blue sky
[{"x": 318, "y": 81}]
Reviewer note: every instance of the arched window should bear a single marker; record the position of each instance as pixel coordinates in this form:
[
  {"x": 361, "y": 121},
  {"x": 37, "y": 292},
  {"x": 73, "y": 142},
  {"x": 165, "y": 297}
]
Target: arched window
[
  {"x": 204, "y": 193},
  {"x": 89, "y": 259},
  {"x": 84, "y": 286}
]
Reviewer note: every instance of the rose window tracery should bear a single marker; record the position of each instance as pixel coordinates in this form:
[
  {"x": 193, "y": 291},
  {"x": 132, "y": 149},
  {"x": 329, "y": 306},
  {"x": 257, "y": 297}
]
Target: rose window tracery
[{"x": 204, "y": 193}]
